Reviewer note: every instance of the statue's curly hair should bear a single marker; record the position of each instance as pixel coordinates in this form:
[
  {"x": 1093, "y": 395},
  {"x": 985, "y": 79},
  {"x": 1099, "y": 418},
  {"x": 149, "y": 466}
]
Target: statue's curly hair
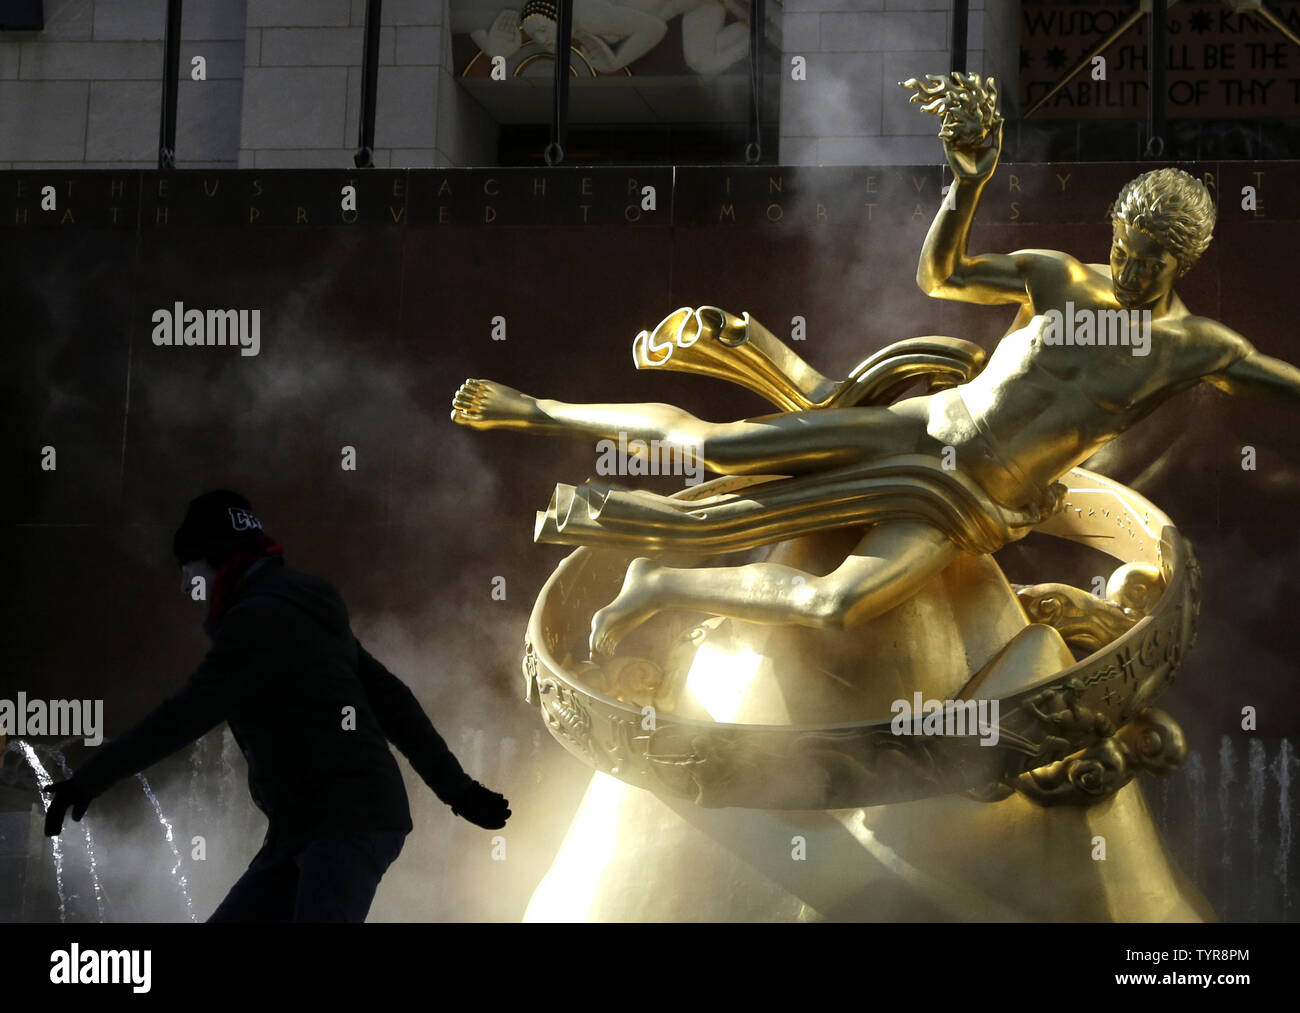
[{"x": 1171, "y": 206}]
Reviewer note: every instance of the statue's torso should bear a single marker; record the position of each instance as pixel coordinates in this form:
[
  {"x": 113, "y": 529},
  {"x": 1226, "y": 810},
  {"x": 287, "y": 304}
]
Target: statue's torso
[{"x": 1046, "y": 407}]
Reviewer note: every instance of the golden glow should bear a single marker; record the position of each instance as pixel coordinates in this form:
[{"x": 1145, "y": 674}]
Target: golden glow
[
  {"x": 959, "y": 901},
  {"x": 721, "y": 680},
  {"x": 570, "y": 889}
]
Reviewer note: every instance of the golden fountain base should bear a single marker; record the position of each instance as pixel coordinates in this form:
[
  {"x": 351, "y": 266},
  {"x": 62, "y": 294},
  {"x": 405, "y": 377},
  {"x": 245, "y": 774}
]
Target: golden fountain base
[
  {"x": 630, "y": 856},
  {"x": 747, "y": 773}
]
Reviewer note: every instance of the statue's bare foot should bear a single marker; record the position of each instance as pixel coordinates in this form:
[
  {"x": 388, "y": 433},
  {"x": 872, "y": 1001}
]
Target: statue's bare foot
[
  {"x": 635, "y": 603},
  {"x": 485, "y": 404}
]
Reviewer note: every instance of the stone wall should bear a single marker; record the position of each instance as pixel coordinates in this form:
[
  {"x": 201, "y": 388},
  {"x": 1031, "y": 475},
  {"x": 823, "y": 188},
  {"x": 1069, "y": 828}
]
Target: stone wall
[
  {"x": 283, "y": 87},
  {"x": 86, "y": 92},
  {"x": 850, "y": 110}
]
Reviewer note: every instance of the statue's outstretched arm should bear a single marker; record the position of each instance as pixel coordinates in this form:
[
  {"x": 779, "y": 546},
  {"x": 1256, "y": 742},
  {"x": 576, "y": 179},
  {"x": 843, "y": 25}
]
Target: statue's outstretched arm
[
  {"x": 1226, "y": 360},
  {"x": 1262, "y": 377}
]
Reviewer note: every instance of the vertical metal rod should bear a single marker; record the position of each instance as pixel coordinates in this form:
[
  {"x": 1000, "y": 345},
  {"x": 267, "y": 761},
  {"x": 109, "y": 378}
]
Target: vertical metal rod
[
  {"x": 1156, "y": 82},
  {"x": 171, "y": 79},
  {"x": 365, "y": 156},
  {"x": 554, "y": 153},
  {"x": 757, "y": 23},
  {"x": 960, "y": 32}
]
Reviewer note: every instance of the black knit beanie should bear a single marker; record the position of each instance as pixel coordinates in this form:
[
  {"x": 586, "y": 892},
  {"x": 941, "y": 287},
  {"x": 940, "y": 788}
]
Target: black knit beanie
[{"x": 216, "y": 524}]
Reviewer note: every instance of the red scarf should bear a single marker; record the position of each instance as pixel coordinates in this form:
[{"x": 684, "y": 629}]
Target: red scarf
[{"x": 229, "y": 576}]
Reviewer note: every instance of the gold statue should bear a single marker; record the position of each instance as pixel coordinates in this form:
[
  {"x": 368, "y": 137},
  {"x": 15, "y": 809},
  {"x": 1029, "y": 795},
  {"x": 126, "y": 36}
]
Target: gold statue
[
  {"x": 881, "y": 510},
  {"x": 1044, "y": 403}
]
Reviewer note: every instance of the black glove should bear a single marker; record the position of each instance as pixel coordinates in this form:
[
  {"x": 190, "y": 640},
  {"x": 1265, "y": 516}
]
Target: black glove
[
  {"x": 484, "y": 808},
  {"x": 67, "y": 794}
]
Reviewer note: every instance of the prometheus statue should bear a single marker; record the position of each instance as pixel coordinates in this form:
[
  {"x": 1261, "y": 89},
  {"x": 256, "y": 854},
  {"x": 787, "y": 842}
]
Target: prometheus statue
[{"x": 978, "y": 460}]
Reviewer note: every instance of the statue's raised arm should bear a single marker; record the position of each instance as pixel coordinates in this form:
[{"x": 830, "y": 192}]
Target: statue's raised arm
[{"x": 971, "y": 133}]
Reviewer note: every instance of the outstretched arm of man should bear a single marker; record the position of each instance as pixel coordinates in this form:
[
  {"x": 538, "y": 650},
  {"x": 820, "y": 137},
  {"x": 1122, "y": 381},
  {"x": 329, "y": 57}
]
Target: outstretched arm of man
[
  {"x": 225, "y": 680},
  {"x": 408, "y": 728},
  {"x": 1260, "y": 376}
]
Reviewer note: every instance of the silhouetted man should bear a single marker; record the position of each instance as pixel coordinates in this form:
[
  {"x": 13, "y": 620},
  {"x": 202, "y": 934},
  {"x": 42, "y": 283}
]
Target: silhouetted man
[{"x": 312, "y": 712}]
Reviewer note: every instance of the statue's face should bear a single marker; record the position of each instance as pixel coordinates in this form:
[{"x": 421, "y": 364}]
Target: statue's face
[{"x": 1141, "y": 270}]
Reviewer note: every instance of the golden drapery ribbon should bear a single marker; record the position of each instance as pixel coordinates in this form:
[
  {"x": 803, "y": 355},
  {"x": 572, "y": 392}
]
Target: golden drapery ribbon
[{"x": 910, "y": 487}]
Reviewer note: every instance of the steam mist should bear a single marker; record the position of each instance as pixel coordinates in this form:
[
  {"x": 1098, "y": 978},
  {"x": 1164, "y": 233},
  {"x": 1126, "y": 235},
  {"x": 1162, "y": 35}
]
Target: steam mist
[{"x": 365, "y": 337}]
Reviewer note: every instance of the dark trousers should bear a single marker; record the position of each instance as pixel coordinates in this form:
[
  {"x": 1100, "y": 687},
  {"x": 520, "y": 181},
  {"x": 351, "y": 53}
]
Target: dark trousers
[{"x": 329, "y": 879}]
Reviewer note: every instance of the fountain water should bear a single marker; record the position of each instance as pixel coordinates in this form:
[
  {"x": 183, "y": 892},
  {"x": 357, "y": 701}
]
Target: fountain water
[
  {"x": 43, "y": 779},
  {"x": 90, "y": 847},
  {"x": 177, "y": 874},
  {"x": 1256, "y": 764},
  {"x": 1227, "y": 778},
  {"x": 1282, "y": 770},
  {"x": 1194, "y": 771}
]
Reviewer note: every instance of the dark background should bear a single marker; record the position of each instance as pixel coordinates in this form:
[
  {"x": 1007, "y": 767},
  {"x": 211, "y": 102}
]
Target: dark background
[{"x": 367, "y": 330}]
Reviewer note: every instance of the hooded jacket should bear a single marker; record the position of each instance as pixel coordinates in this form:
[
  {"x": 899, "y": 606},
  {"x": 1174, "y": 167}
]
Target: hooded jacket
[{"x": 311, "y": 709}]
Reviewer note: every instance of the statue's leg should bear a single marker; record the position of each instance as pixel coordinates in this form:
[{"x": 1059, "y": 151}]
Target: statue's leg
[
  {"x": 784, "y": 444},
  {"x": 795, "y": 442},
  {"x": 890, "y": 564}
]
